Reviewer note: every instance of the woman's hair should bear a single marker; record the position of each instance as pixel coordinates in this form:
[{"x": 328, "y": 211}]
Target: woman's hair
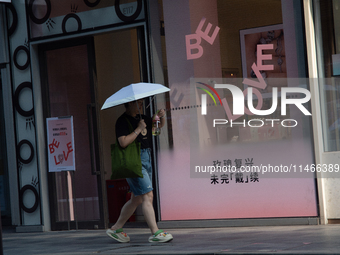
[{"x": 127, "y": 104}]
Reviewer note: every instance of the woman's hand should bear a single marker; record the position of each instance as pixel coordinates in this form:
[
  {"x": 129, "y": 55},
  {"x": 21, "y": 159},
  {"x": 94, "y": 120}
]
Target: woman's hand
[
  {"x": 161, "y": 113},
  {"x": 141, "y": 125},
  {"x": 124, "y": 141}
]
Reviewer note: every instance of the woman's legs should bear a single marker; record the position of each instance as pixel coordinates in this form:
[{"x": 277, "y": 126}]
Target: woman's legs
[
  {"x": 149, "y": 212},
  {"x": 128, "y": 209},
  {"x": 130, "y": 206}
]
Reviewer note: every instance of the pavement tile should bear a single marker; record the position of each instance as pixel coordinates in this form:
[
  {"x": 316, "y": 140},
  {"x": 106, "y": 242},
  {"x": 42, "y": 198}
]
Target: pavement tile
[{"x": 315, "y": 239}]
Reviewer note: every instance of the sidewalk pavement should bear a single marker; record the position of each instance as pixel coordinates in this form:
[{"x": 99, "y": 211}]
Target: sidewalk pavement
[{"x": 308, "y": 239}]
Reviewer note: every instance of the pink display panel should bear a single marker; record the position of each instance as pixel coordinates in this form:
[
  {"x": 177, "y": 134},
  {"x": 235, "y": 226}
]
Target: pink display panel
[{"x": 213, "y": 43}]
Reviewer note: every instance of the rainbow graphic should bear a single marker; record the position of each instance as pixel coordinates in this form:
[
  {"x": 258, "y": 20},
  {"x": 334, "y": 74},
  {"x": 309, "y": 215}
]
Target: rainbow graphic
[
  {"x": 204, "y": 97},
  {"x": 208, "y": 92}
]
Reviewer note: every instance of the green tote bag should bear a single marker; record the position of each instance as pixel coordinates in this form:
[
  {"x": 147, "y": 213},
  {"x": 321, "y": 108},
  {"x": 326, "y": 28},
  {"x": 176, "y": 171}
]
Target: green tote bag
[{"x": 126, "y": 162}]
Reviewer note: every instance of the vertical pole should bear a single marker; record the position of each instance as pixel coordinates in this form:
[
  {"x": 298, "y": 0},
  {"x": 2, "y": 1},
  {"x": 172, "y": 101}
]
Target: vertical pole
[
  {"x": 314, "y": 84},
  {"x": 74, "y": 198},
  {"x": 68, "y": 202},
  {"x": 1, "y": 248},
  {"x": 3, "y": 61}
]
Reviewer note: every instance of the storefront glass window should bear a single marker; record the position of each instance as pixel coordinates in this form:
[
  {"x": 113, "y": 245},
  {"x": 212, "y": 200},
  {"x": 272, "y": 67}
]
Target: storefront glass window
[{"x": 210, "y": 48}]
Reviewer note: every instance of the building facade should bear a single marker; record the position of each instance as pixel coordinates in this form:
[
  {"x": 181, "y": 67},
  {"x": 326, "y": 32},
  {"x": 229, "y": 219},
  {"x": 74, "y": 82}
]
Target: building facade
[{"x": 252, "y": 131}]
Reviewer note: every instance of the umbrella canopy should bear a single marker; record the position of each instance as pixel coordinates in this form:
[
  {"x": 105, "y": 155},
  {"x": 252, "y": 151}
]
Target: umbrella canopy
[{"x": 134, "y": 92}]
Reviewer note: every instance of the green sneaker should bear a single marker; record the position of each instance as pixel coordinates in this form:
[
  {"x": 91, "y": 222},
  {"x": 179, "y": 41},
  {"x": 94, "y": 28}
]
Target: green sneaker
[
  {"x": 160, "y": 237},
  {"x": 118, "y": 235}
]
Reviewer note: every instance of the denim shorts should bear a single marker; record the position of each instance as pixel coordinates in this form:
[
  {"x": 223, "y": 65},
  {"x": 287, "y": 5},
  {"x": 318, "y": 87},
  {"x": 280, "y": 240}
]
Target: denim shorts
[{"x": 140, "y": 186}]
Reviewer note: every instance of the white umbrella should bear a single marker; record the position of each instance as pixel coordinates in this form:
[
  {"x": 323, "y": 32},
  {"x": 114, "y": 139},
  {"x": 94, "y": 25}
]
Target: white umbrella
[{"x": 134, "y": 92}]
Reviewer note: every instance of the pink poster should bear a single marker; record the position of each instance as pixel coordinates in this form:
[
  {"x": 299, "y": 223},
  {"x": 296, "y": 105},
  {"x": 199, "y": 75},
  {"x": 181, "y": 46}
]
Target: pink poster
[{"x": 60, "y": 144}]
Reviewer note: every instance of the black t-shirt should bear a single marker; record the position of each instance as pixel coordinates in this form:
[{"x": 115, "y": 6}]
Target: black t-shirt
[{"x": 123, "y": 129}]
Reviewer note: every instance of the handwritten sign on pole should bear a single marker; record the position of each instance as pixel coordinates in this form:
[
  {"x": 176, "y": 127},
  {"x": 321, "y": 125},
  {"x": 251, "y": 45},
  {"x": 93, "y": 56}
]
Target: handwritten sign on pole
[{"x": 60, "y": 144}]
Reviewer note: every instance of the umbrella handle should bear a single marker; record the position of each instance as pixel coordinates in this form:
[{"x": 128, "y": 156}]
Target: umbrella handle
[{"x": 140, "y": 115}]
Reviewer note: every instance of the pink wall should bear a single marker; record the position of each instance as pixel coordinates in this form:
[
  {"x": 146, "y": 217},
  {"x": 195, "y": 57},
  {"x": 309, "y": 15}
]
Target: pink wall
[{"x": 183, "y": 197}]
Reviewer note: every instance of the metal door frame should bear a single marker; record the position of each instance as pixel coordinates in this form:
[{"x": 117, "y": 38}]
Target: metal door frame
[{"x": 46, "y": 113}]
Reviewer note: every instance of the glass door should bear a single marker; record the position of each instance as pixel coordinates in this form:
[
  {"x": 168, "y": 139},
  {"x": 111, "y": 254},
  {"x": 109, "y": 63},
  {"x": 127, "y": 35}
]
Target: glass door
[
  {"x": 120, "y": 57},
  {"x": 68, "y": 79}
]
